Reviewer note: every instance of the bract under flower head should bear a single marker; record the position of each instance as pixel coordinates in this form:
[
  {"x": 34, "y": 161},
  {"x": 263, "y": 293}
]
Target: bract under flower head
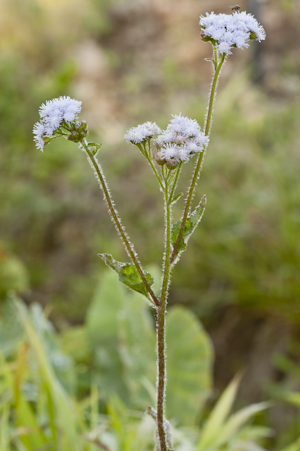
[
  {"x": 53, "y": 113},
  {"x": 230, "y": 30},
  {"x": 139, "y": 134}
]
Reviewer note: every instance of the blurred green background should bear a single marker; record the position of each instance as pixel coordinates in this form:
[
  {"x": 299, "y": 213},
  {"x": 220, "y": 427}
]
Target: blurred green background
[{"x": 130, "y": 61}]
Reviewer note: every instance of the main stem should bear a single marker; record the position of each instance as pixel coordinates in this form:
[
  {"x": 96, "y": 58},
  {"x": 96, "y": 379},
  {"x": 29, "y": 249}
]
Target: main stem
[
  {"x": 161, "y": 327},
  {"x": 128, "y": 245},
  {"x": 200, "y": 158}
]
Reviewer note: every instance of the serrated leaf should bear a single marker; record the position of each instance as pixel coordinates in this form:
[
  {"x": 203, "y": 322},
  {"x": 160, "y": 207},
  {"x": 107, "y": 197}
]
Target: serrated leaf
[
  {"x": 128, "y": 274},
  {"x": 190, "y": 225}
]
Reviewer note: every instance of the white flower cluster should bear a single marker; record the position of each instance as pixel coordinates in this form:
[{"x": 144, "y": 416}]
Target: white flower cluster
[
  {"x": 139, "y": 134},
  {"x": 52, "y": 114},
  {"x": 180, "y": 141},
  {"x": 231, "y": 30}
]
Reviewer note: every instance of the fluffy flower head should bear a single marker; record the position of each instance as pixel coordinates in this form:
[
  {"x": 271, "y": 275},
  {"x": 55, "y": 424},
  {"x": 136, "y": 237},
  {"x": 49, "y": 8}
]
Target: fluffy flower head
[
  {"x": 142, "y": 132},
  {"x": 181, "y": 140},
  {"x": 53, "y": 113},
  {"x": 230, "y": 30}
]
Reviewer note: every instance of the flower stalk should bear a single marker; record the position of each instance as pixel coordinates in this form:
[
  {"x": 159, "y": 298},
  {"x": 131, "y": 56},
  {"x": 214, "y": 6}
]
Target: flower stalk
[
  {"x": 161, "y": 324},
  {"x": 198, "y": 166}
]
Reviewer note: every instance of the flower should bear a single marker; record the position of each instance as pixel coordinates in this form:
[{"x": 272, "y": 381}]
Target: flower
[
  {"x": 230, "y": 30},
  {"x": 54, "y": 113},
  {"x": 180, "y": 141},
  {"x": 139, "y": 134}
]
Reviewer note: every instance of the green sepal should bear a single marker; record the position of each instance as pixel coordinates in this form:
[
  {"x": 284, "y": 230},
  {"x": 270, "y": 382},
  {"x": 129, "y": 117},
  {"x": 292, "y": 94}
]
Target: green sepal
[
  {"x": 190, "y": 225},
  {"x": 252, "y": 35},
  {"x": 128, "y": 274},
  {"x": 94, "y": 148}
]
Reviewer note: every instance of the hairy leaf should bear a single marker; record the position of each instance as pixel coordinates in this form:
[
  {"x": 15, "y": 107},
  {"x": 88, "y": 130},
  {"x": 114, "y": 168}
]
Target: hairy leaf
[
  {"x": 190, "y": 225},
  {"x": 175, "y": 199},
  {"x": 94, "y": 147},
  {"x": 128, "y": 274}
]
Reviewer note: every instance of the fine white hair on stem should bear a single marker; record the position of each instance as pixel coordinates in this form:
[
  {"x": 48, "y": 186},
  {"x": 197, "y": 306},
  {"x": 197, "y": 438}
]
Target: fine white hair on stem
[
  {"x": 116, "y": 219},
  {"x": 208, "y": 112},
  {"x": 113, "y": 204}
]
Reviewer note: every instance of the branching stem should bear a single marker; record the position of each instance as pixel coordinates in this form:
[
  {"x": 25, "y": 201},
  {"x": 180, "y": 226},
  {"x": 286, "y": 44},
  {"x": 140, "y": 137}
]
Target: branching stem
[
  {"x": 128, "y": 245},
  {"x": 218, "y": 66},
  {"x": 178, "y": 170}
]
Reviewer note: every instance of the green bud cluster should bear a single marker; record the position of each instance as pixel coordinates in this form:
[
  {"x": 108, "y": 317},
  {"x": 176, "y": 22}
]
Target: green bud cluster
[{"x": 79, "y": 130}]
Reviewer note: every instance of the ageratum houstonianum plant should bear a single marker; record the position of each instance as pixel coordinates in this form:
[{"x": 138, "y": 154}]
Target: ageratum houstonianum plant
[{"x": 166, "y": 151}]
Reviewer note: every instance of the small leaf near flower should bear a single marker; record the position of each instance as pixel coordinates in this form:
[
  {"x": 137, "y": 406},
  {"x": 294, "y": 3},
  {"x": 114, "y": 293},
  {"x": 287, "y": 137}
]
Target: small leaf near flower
[
  {"x": 128, "y": 274},
  {"x": 175, "y": 198},
  {"x": 94, "y": 148},
  {"x": 190, "y": 225}
]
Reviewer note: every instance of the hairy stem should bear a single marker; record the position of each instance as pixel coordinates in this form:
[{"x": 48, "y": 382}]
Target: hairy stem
[
  {"x": 156, "y": 173},
  {"x": 178, "y": 170},
  {"x": 161, "y": 327},
  {"x": 114, "y": 215},
  {"x": 200, "y": 158}
]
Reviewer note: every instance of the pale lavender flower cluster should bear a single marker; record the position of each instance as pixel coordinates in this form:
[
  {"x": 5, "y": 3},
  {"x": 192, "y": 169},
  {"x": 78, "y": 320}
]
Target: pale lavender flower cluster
[
  {"x": 180, "y": 141},
  {"x": 141, "y": 133},
  {"x": 53, "y": 113},
  {"x": 231, "y": 30}
]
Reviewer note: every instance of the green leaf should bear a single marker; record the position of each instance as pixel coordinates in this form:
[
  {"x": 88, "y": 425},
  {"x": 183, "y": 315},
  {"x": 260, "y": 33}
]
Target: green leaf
[
  {"x": 211, "y": 60},
  {"x": 293, "y": 447},
  {"x": 94, "y": 148},
  {"x": 137, "y": 350},
  {"x": 218, "y": 416},
  {"x": 237, "y": 421},
  {"x": 190, "y": 358},
  {"x": 64, "y": 413},
  {"x": 175, "y": 198},
  {"x": 102, "y": 332},
  {"x": 128, "y": 274},
  {"x": 190, "y": 225},
  {"x": 11, "y": 328}
]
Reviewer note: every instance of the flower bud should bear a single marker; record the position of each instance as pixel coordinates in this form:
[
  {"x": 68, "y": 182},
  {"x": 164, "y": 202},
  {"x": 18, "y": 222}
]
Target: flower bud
[
  {"x": 159, "y": 158},
  {"x": 79, "y": 130},
  {"x": 171, "y": 164}
]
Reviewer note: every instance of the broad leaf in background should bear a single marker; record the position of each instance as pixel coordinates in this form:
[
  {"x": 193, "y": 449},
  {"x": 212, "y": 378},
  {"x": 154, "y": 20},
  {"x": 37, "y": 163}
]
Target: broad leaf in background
[
  {"x": 189, "y": 366},
  {"x": 61, "y": 363},
  {"x": 190, "y": 225},
  {"x": 137, "y": 350},
  {"x": 128, "y": 274},
  {"x": 62, "y": 413},
  {"x": 11, "y": 328},
  {"x": 13, "y": 274},
  {"x": 122, "y": 335},
  {"x": 102, "y": 331}
]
